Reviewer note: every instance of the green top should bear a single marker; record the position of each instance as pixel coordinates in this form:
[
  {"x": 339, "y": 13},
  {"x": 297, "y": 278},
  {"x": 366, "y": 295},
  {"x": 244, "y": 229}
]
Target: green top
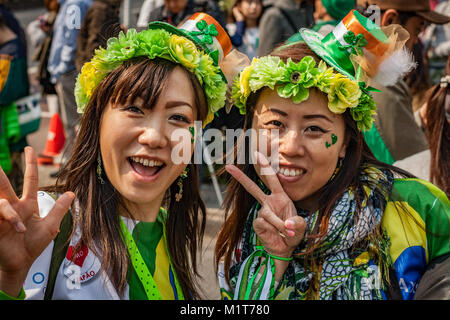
[{"x": 147, "y": 236}]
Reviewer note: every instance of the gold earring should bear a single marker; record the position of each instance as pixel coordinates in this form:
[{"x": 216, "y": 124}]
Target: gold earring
[
  {"x": 99, "y": 169},
  {"x": 179, "y": 194}
]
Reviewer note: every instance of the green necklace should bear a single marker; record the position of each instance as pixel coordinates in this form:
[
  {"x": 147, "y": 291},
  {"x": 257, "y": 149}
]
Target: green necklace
[{"x": 139, "y": 265}]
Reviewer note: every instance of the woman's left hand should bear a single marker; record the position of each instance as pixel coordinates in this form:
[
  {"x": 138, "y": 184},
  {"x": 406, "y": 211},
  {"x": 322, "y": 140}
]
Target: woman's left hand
[{"x": 278, "y": 226}]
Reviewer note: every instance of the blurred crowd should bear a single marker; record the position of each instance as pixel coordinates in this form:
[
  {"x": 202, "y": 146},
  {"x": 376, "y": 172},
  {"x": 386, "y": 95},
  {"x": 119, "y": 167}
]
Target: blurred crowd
[{"x": 413, "y": 115}]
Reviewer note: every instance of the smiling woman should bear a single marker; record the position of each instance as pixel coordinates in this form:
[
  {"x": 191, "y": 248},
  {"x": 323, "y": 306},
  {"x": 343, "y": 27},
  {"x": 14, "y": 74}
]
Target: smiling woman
[
  {"x": 136, "y": 225},
  {"x": 331, "y": 221}
]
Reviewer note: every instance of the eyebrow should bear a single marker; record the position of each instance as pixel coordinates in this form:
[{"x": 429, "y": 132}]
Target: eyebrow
[
  {"x": 173, "y": 104},
  {"x": 284, "y": 114},
  {"x": 313, "y": 116},
  {"x": 308, "y": 116}
]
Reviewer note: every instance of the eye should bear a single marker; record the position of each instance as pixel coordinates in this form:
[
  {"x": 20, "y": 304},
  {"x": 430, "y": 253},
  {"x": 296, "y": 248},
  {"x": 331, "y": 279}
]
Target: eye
[
  {"x": 179, "y": 117},
  {"x": 315, "y": 129},
  {"x": 133, "y": 109},
  {"x": 275, "y": 123}
]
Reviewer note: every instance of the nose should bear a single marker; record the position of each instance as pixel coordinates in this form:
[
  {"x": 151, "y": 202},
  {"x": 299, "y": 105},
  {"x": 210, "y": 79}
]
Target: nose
[
  {"x": 154, "y": 137},
  {"x": 291, "y": 144}
]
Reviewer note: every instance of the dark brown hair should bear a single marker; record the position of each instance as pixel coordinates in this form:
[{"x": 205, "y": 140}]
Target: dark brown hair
[
  {"x": 238, "y": 201},
  {"x": 437, "y": 130},
  {"x": 98, "y": 203}
]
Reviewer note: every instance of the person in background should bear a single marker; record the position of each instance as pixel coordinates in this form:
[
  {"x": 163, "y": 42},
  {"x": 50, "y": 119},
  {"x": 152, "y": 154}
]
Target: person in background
[
  {"x": 12, "y": 23},
  {"x": 101, "y": 15},
  {"x": 418, "y": 80},
  {"x": 282, "y": 19},
  {"x": 436, "y": 40},
  {"x": 433, "y": 164},
  {"x": 61, "y": 63},
  {"x": 244, "y": 31},
  {"x": 396, "y": 135},
  {"x": 144, "y": 14},
  {"x": 176, "y": 11},
  {"x": 328, "y": 13},
  {"x": 44, "y": 25},
  {"x": 14, "y": 84}
]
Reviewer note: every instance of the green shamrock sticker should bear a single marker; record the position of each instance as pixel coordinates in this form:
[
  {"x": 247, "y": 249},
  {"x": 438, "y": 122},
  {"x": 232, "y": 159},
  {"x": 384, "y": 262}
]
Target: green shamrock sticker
[
  {"x": 206, "y": 31},
  {"x": 356, "y": 42}
]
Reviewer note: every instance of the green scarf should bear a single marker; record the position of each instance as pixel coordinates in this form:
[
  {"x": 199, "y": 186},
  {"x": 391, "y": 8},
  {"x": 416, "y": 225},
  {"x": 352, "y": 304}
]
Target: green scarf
[{"x": 346, "y": 269}]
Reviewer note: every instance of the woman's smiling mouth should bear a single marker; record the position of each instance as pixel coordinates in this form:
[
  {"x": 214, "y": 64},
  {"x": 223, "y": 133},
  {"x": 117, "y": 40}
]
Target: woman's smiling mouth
[
  {"x": 287, "y": 174},
  {"x": 146, "y": 168}
]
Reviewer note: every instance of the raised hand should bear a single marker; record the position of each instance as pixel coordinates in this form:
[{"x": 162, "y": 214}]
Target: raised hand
[
  {"x": 23, "y": 233},
  {"x": 278, "y": 226}
]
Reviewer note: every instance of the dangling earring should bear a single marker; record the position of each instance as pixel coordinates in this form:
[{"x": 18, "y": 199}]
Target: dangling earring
[
  {"x": 99, "y": 169},
  {"x": 338, "y": 167},
  {"x": 179, "y": 194}
]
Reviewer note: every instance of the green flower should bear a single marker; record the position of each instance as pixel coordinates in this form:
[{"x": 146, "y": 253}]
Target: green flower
[
  {"x": 364, "y": 113},
  {"x": 238, "y": 98},
  {"x": 184, "y": 51},
  {"x": 206, "y": 68},
  {"x": 154, "y": 43},
  {"x": 266, "y": 72},
  {"x": 324, "y": 79},
  {"x": 123, "y": 47},
  {"x": 344, "y": 93},
  {"x": 299, "y": 77}
]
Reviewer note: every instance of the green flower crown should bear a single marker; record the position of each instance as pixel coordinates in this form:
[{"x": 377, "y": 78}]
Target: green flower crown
[
  {"x": 293, "y": 80},
  {"x": 152, "y": 43}
]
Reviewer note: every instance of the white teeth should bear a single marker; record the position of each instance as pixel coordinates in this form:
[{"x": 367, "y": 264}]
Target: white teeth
[
  {"x": 146, "y": 162},
  {"x": 290, "y": 173}
]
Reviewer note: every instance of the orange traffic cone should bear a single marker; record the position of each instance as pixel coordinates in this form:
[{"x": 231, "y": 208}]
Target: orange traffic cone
[{"x": 55, "y": 140}]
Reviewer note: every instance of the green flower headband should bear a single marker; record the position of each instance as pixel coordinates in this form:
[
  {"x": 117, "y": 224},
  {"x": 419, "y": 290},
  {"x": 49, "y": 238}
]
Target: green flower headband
[
  {"x": 293, "y": 80},
  {"x": 152, "y": 43}
]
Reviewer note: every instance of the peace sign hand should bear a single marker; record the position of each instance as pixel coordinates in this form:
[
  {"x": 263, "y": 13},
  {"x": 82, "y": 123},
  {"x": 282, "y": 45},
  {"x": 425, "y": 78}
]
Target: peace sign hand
[
  {"x": 23, "y": 233},
  {"x": 278, "y": 226}
]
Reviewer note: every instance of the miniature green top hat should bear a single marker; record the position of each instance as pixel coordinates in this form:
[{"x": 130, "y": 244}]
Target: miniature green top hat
[{"x": 350, "y": 36}]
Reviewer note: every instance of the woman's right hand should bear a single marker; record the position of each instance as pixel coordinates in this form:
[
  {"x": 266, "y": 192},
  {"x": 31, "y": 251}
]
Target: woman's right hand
[
  {"x": 23, "y": 233},
  {"x": 238, "y": 16},
  {"x": 277, "y": 225}
]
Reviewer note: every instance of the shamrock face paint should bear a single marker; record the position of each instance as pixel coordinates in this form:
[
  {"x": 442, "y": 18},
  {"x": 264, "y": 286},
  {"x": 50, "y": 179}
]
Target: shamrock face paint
[
  {"x": 334, "y": 139},
  {"x": 192, "y": 131}
]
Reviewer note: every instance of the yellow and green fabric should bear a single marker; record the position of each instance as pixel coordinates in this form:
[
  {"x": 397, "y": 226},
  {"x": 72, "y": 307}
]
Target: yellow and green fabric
[
  {"x": 150, "y": 242},
  {"x": 417, "y": 220},
  {"x": 412, "y": 220}
]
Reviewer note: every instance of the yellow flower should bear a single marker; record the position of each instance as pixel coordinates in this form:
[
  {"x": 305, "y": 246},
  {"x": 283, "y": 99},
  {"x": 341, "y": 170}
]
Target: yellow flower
[
  {"x": 209, "y": 118},
  {"x": 184, "y": 51},
  {"x": 344, "y": 93},
  {"x": 244, "y": 79},
  {"x": 87, "y": 78}
]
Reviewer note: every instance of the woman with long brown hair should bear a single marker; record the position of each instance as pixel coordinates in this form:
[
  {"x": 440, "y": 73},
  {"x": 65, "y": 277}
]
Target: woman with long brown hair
[
  {"x": 437, "y": 128},
  {"x": 433, "y": 164},
  {"x": 325, "y": 219},
  {"x": 137, "y": 221}
]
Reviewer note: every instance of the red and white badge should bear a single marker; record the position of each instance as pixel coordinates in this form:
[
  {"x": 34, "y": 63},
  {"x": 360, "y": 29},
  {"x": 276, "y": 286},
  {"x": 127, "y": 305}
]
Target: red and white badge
[{"x": 84, "y": 263}]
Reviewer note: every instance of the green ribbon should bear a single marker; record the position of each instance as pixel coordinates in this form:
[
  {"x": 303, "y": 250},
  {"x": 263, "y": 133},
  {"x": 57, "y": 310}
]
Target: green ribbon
[
  {"x": 247, "y": 290},
  {"x": 139, "y": 265}
]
